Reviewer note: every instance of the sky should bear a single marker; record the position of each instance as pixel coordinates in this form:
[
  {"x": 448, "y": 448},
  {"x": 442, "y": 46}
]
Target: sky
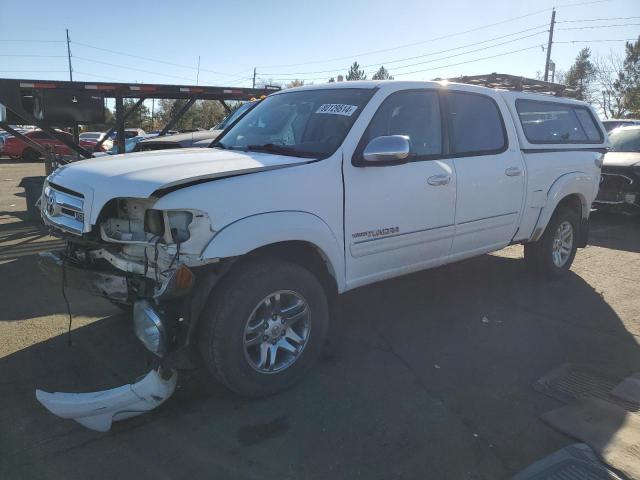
[{"x": 160, "y": 42}]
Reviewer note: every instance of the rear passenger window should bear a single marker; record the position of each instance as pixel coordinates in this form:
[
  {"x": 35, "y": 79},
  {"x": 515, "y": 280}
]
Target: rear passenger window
[
  {"x": 550, "y": 122},
  {"x": 476, "y": 124}
]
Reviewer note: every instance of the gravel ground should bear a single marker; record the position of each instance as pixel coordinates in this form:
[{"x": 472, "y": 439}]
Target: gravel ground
[{"x": 425, "y": 376}]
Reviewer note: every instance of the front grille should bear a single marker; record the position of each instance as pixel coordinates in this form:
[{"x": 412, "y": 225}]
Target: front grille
[
  {"x": 612, "y": 188},
  {"x": 63, "y": 209}
]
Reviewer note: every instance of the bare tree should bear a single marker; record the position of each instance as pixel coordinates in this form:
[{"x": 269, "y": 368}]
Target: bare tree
[{"x": 607, "y": 73}]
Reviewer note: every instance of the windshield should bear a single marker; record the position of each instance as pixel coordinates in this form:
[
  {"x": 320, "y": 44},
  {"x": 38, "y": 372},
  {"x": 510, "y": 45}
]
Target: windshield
[
  {"x": 307, "y": 123},
  {"x": 625, "y": 140}
]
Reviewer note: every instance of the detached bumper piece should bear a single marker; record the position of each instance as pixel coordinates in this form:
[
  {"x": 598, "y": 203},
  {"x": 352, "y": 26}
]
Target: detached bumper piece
[{"x": 98, "y": 410}]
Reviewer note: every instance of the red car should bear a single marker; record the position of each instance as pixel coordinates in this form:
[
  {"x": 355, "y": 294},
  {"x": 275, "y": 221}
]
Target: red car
[{"x": 16, "y": 148}]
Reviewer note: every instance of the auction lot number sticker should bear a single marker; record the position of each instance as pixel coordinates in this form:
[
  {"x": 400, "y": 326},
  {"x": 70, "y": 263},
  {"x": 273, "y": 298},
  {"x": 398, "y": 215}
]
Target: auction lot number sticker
[{"x": 337, "y": 109}]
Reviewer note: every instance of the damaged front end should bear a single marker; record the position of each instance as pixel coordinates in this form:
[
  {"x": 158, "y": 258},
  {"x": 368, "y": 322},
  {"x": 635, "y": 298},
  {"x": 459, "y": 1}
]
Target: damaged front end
[
  {"x": 135, "y": 256},
  {"x": 144, "y": 260}
]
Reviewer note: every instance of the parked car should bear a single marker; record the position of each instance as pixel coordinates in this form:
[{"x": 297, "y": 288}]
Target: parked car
[
  {"x": 201, "y": 138},
  {"x": 129, "y": 145},
  {"x": 97, "y": 137},
  {"x": 615, "y": 123},
  {"x": 238, "y": 251},
  {"x": 620, "y": 179},
  {"x": 128, "y": 133},
  {"x": 16, "y": 148}
]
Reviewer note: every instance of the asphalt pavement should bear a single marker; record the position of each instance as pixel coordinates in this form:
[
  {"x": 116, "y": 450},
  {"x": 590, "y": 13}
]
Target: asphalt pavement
[{"x": 425, "y": 376}]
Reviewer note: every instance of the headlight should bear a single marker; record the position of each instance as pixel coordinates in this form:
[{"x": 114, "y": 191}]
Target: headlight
[{"x": 149, "y": 327}]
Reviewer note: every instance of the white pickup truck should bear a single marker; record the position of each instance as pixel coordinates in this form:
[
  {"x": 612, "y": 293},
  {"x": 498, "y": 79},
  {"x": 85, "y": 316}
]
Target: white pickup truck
[{"x": 236, "y": 252}]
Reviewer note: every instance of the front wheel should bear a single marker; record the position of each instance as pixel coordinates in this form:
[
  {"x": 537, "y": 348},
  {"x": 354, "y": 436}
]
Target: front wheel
[
  {"x": 264, "y": 326},
  {"x": 552, "y": 255}
]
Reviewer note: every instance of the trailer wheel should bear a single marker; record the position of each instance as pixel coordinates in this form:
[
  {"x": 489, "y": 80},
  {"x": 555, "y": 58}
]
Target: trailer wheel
[
  {"x": 30, "y": 155},
  {"x": 264, "y": 326},
  {"x": 552, "y": 255}
]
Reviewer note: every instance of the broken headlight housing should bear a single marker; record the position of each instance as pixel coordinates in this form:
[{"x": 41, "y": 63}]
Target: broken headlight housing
[{"x": 131, "y": 220}]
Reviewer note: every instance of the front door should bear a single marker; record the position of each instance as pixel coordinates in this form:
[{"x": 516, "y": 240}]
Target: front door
[{"x": 400, "y": 218}]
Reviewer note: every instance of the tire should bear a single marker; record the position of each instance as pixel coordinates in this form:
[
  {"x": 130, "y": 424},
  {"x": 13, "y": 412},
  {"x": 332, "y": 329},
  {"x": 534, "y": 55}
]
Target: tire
[
  {"x": 30, "y": 155},
  {"x": 239, "y": 307},
  {"x": 547, "y": 258}
]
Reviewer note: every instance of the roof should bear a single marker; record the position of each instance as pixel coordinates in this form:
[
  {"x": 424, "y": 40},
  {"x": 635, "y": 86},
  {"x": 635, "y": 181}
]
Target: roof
[{"x": 540, "y": 93}]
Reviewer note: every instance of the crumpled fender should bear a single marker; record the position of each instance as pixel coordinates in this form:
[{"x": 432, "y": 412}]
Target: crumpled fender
[
  {"x": 98, "y": 410},
  {"x": 250, "y": 233}
]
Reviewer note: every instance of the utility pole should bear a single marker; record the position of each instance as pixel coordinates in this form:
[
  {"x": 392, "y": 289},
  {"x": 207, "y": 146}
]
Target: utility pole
[
  {"x": 198, "y": 75},
  {"x": 76, "y": 130},
  {"x": 546, "y": 65},
  {"x": 254, "y": 77},
  {"x": 69, "y": 57}
]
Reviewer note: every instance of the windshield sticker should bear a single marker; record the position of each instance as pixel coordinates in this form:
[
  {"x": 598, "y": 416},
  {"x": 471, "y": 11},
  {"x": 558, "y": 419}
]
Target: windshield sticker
[{"x": 337, "y": 109}]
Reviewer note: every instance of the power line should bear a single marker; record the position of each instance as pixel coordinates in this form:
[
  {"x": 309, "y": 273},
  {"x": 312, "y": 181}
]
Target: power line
[
  {"x": 140, "y": 57},
  {"x": 601, "y": 40},
  {"x": 450, "y": 35},
  {"x": 600, "y": 26},
  {"x": 595, "y": 19},
  {"x": 21, "y": 40},
  {"x": 434, "y": 68},
  {"x": 430, "y": 53},
  {"x": 502, "y": 22},
  {"x": 132, "y": 68},
  {"x": 30, "y": 55},
  {"x": 469, "y": 61},
  {"x": 33, "y": 71}
]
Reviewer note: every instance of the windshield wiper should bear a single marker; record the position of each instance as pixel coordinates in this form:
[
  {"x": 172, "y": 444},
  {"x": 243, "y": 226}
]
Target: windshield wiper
[
  {"x": 216, "y": 144},
  {"x": 279, "y": 149}
]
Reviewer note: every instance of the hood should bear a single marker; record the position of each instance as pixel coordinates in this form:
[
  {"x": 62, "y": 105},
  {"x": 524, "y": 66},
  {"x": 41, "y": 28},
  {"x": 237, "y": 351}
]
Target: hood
[
  {"x": 138, "y": 175},
  {"x": 621, "y": 159},
  {"x": 185, "y": 139}
]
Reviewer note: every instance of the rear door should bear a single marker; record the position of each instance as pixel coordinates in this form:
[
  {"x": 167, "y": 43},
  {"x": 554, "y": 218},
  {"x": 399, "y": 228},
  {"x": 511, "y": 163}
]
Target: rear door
[{"x": 490, "y": 173}]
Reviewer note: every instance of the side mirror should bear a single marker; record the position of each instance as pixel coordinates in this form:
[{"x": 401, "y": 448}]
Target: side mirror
[{"x": 386, "y": 150}]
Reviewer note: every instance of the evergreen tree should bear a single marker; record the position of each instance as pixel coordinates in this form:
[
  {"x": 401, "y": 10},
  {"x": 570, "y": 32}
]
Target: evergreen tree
[
  {"x": 355, "y": 73},
  {"x": 628, "y": 82},
  {"x": 382, "y": 74},
  {"x": 581, "y": 74}
]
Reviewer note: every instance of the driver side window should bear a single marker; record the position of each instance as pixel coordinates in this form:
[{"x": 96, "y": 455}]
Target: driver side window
[{"x": 415, "y": 114}]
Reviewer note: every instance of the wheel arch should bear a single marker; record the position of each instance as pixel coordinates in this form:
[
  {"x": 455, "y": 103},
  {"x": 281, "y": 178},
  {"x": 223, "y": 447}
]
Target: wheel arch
[
  {"x": 300, "y": 237},
  {"x": 573, "y": 190}
]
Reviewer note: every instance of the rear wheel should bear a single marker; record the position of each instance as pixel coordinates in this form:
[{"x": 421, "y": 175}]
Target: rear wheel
[
  {"x": 552, "y": 255},
  {"x": 264, "y": 327}
]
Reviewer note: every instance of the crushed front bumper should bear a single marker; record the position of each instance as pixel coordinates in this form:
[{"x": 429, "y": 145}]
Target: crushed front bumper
[{"x": 104, "y": 284}]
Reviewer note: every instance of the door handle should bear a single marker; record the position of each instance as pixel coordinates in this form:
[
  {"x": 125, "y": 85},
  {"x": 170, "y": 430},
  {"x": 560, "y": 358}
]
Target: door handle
[
  {"x": 436, "y": 180},
  {"x": 513, "y": 172}
]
